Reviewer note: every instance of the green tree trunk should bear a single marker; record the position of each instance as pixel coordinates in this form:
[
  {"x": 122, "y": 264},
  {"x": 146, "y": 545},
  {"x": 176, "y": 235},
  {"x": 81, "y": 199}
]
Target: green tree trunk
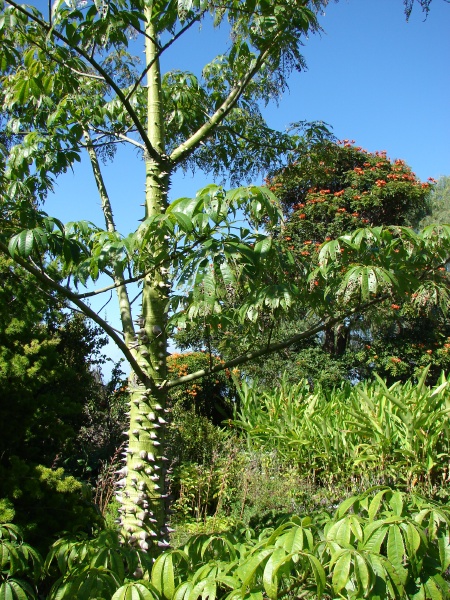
[{"x": 144, "y": 497}]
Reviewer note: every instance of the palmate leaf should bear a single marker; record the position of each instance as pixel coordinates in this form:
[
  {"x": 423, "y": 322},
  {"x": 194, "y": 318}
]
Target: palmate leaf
[
  {"x": 136, "y": 591},
  {"x": 16, "y": 589},
  {"x": 364, "y": 282},
  {"x": 218, "y": 546}
]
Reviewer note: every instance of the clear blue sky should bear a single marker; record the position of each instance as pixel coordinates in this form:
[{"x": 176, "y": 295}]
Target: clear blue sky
[{"x": 374, "y": 77}]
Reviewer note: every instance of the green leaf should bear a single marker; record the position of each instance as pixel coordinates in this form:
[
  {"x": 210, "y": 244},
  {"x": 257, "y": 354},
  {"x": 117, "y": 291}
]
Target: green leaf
[
  {"x": 395, "y": 548},
  {"x": 341, "y": 570},
  {"x": 246, "y": 571},
  {"x": 270, "y": 579},
  {"x": 15, "y": 589},
  {"x": 263, "y": 247},
  {"x": 376, "y": 503},
  {"x": 163, "y": 576},
  {"x": 362, "y": 573},
  {"x": 183, "y": 221},
  {"x": 134, "y": 591},
  {"x": 183, "y": 591},
  {"x": 396, "y": 503}
]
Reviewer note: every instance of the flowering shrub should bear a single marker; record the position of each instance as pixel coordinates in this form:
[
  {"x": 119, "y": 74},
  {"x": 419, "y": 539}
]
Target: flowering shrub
[
  {"x": 335, "y": 188},
  {"x": 209, "y": 396}
]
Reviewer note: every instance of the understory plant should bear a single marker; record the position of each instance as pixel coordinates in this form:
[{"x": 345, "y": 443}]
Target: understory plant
[
  {"x": 365, "y": 433},
  {"x": 381, "y": 544}
]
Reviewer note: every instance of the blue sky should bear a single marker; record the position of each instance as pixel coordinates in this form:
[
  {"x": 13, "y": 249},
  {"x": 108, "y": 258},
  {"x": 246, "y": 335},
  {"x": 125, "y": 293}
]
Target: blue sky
[{"x": 374, "y": 77}]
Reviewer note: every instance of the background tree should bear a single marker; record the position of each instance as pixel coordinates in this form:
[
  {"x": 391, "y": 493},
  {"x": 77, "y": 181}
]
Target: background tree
[
  {"x": 333, "y": 189},
  {"x": 439, "y": 203},
  {"x": 48, "y": 358}
]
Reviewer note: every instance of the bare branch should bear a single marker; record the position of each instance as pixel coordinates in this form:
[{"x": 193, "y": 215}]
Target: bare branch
[{"x": 113, "y": 286}]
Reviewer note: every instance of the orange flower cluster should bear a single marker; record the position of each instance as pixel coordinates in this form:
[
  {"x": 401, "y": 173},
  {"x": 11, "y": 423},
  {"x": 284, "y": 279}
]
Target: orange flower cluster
[
  {"x": 380, "y": 182},
  {"x": 394, "y": 359},
  {"x": 338, "y": 194},
  {"x": 341, "y": 210},
  {"x": 395, "y": 306}
]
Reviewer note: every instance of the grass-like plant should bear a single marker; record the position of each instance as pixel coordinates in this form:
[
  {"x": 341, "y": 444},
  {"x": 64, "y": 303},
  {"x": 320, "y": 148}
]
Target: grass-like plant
[{"x": 368, "y": 432}]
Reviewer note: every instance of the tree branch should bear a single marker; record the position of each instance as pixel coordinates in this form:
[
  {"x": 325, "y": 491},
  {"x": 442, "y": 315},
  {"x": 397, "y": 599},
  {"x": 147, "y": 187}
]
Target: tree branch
[
  {"x": 187, "y": 147},
  {"x": 85, "y": 309},
  {"x": 126, "y": 103},
  {"x": 113, "y": 286},
  {"x": 271, "y": 348}
]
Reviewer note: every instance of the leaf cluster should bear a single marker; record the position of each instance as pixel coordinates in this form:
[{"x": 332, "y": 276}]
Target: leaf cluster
[{"x": 379, "y": 544}]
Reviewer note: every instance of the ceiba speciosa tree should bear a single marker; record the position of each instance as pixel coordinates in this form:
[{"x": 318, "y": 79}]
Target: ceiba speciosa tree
[{"x": 69, "y": 86}]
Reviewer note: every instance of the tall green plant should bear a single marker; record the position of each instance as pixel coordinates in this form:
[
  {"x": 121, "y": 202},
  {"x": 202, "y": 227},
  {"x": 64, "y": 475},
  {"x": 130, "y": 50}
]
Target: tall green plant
[
  {"x": 398, "y": 433},
  {"x": 381, "y": 544}
]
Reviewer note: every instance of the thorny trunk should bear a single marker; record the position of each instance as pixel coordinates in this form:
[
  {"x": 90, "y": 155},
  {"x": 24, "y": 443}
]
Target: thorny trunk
[{"x": 144, "y": 495}]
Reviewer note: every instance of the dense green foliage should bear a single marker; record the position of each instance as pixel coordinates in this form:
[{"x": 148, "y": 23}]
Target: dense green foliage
[
  {"x": 367, "y": 433},
  {"x": 439, "y": 203},
  {"x": 46, "y": 503},
  {"x": 45, "y": 356},
  {"x": 47, "y": 379},
  {"x": 378, "y": 545}
]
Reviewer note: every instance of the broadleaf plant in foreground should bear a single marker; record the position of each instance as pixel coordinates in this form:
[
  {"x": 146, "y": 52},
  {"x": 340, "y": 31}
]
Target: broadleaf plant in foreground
[{"x": 71, "y": 85}]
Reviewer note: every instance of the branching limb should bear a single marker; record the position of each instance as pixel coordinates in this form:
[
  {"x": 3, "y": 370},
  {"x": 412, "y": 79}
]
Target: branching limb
[
  {"x": 121, "y": 137},
  {"x": 109, "y": 80},
  {"x": 44, "y": 278},
  {"x": 271, "y": 348},
  {"x": 187, "y": 147},
  {"x": 113, "y": 286}
]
